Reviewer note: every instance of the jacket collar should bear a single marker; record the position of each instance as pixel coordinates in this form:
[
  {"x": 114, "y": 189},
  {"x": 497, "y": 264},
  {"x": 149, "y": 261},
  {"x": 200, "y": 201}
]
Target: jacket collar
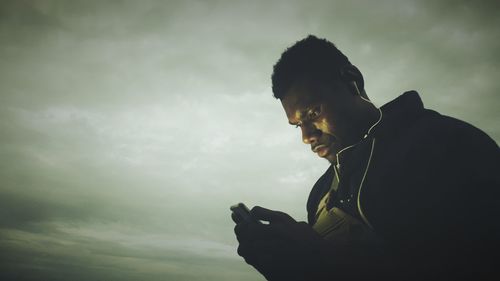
[{"x": 399, "y": 113}]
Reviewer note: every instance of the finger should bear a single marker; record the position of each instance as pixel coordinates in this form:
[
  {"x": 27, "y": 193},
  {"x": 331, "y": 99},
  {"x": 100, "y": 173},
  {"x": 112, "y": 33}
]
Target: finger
[
  {"x": 245, "y": 250},
  {"x": 235, "y": 218},
  {"x": 269, "y": 215},
  {"x": 244, "y": 233},
  {"x": 271, "y": 231},
  {"x": 260, "y": 231},
  {"x": 278, "y": 230},
  {"x": 241, "y": 229},
  {"x": 253, "y": 231}
]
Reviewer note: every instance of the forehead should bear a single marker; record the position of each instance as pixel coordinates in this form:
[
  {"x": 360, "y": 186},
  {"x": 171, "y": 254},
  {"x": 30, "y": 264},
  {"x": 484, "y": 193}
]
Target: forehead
[{"x": 300, "y": 97}]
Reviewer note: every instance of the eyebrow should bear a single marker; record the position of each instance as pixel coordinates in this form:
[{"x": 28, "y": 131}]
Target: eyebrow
[
  {"x": 302, "y": 114},
  {"x": 301, "y": 117}
]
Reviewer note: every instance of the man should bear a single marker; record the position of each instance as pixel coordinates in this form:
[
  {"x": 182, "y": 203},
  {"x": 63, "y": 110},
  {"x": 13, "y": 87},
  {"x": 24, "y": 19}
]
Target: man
[{"x": 410, "y": 193}]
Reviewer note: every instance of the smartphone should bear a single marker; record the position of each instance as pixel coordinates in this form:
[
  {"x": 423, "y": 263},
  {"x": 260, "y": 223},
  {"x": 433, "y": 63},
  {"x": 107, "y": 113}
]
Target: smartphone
[{"x": 243, "y": 213}]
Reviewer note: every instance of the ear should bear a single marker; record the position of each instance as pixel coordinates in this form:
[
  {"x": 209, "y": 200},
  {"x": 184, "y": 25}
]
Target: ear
[{"x": 351, "y": 75}]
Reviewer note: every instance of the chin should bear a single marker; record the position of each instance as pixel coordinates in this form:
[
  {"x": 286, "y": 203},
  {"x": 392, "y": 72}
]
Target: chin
[{"x": 331, "y": 158}]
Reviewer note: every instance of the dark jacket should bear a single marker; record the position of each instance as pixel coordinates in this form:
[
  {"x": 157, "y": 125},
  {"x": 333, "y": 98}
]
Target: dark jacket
[{"x": 428, "y": 186}]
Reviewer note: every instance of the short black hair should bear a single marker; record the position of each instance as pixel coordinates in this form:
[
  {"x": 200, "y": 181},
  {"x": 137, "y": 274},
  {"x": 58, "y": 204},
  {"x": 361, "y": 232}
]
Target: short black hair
[{"x": 307, "y": 58}]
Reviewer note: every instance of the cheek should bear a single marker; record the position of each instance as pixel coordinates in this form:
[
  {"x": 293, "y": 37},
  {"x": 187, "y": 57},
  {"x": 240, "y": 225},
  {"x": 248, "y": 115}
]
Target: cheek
[{"x": 326, "y": 126}]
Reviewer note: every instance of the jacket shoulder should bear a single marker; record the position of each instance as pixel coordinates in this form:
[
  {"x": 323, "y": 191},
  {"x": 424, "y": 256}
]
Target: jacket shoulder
[{"x": 458, "y": 137}]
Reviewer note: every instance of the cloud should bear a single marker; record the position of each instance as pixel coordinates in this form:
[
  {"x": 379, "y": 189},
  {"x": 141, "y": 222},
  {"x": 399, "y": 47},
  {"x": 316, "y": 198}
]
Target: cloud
[{"x": 128, "y": 128}]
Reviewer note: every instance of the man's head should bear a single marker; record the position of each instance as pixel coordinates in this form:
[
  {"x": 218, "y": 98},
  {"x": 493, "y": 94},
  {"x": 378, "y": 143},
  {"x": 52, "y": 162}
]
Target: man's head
[{"x": 321, "y": 93}]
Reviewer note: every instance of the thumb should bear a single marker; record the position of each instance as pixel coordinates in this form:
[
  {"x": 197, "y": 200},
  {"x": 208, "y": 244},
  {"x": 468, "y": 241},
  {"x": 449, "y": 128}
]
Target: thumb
[{"x": 271, "y": 216}]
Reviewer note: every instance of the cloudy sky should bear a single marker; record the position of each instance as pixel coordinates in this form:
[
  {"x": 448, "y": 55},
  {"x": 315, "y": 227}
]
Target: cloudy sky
[{"x": 128, "y": 128}]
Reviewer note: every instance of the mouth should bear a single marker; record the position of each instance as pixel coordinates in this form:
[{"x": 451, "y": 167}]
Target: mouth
[{"x": 321, "y": 149}]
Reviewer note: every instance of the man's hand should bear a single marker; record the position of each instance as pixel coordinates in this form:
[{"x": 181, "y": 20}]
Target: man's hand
[{"x": 283, "y": 249}]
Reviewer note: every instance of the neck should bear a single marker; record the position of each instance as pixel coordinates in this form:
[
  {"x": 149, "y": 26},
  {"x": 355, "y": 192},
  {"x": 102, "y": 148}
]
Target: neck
[{"x": 362, "y": 121}]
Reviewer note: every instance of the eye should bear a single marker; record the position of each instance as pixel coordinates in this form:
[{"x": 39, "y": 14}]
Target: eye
[{"x": 314, "y": 112}]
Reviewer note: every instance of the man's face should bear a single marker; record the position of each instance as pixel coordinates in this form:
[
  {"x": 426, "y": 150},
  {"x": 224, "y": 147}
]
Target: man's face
[{"x": 322, "y": 112}]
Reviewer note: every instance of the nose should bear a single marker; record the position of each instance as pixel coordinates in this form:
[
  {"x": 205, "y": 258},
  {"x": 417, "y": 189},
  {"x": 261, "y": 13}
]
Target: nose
[{"x": 310, "y": 134}]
